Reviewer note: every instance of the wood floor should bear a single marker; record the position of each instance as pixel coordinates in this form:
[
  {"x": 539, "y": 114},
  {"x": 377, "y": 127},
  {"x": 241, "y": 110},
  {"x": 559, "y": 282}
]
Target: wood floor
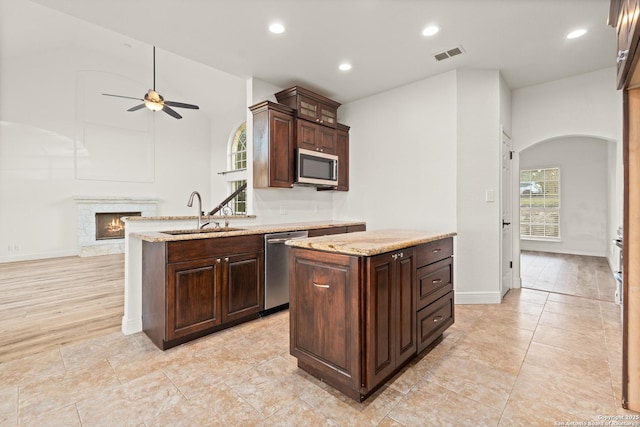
[{"x": 48, "y": 303}]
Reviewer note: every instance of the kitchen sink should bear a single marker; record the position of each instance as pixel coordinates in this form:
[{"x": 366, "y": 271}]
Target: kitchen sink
[{"x": 201, "y": 231}]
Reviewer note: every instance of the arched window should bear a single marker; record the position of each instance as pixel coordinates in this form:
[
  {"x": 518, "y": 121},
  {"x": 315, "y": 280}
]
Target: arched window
[
  {"x": 238, "y": 162},
  {"x": 239, "y": 148}
]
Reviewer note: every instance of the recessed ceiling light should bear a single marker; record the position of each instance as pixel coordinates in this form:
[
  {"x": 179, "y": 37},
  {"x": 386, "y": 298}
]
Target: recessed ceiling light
[
  {"x": 577, "y": 33},
  {"x": 276, "y": 28},
  {"x": 344, "y": 66},
  {"x": 430, "y": 31}
]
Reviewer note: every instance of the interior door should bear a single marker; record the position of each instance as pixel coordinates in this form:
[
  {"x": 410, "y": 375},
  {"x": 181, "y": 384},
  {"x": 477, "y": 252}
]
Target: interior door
[{"x": 507, "y": 228}]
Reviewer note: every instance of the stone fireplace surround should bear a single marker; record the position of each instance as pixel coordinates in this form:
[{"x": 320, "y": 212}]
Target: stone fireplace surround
[{"x": 88, "y": 206}]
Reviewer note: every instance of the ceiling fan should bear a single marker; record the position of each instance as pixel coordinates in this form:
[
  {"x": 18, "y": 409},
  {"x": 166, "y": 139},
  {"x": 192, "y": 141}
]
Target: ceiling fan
[{"x": 154, "y": 101}]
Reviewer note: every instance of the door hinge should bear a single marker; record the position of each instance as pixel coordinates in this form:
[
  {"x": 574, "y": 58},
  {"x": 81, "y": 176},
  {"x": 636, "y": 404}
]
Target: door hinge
[
  {"x": 511, "y": 155},
  {"x": 510, "y": 264}
]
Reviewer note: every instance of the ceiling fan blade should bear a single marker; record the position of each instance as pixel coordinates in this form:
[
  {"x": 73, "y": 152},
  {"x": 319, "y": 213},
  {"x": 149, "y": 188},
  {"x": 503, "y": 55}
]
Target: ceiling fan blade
[
  {"x": 121, "y": 96},
  {"x": 136, "y": 108},
  {"x": 181, "y": 105},
  {"x": 171, "y": 112}
]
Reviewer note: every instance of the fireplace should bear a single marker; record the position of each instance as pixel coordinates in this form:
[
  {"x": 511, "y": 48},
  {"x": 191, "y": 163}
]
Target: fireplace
[
  {"x": 109, "y": 225},
  {"x": 104, "y": 236}
]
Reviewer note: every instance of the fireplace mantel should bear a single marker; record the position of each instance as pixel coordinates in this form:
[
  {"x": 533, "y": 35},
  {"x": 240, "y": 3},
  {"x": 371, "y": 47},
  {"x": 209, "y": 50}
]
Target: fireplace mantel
[{"x": 88, "y": 206}]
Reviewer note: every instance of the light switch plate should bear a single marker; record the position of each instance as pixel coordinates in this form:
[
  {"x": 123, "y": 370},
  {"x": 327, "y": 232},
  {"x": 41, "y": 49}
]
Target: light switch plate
[{"x": 490, "y": 196}]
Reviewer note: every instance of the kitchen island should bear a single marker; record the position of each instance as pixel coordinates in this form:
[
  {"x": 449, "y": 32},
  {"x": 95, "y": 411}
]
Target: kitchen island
[{"x": 363, "y": 304}]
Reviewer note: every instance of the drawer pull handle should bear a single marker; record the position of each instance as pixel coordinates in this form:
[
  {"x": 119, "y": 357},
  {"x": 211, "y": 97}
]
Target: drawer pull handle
[
  {"x": 435, "y": 281},
  {"x": 218, "y": 260},
  {"x": 435, "y": 251},
  {"x": 318, "y": 285},
  {"x": 437, "y": 319}
]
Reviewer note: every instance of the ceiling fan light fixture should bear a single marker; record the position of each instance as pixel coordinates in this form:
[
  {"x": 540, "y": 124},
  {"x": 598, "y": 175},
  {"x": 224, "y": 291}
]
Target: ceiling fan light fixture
[
  {"x": 153, "y": 106},
  {"x": 153, "y": 100}
]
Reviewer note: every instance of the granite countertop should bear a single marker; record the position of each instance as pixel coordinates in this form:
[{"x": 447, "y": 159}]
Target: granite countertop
[
  {"x": 369, "y": 243},
  {"x": 159, "y": 236},
  {"x": 182, "y": 217}
]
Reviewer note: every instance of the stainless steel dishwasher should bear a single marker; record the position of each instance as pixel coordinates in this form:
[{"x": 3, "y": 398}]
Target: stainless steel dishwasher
[{"x": 276, "y": 266}]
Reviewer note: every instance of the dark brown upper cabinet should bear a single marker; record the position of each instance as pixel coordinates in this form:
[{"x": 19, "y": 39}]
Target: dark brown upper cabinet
[
  {"x": 310, "y": 105},
  {"x": 273, "y": 145}
]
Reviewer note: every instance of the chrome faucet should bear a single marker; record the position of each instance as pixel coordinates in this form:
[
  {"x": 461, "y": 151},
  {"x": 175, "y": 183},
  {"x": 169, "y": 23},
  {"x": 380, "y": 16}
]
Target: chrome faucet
[{"x": 200, "y": 212}]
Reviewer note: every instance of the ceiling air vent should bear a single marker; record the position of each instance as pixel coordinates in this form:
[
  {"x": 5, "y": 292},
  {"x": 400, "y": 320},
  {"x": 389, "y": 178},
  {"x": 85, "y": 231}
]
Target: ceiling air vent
[{"x": 440, "y": 56}]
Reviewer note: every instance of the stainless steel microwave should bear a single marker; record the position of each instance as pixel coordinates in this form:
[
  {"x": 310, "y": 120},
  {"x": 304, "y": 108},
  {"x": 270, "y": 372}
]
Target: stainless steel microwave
[{"x": 316, "y": 168}]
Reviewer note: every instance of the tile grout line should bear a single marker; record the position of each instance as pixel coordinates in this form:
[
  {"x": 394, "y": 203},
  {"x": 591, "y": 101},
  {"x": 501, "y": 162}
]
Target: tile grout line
[
  {"x": 606, "y": 345},
  {"x": 524, "y": 358}
]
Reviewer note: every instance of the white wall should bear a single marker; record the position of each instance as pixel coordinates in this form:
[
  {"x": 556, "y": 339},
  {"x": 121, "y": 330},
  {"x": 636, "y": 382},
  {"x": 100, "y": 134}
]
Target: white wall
[
  {"x": 584, "y": 186},
  {"x": 586, "y": 104},
  {"x": 583, "y": 105},
  {"x": 54, "y": 120},
  {"x": 423, "y": 156},
  {"x": 478, "y": 171},
  {"x": 403, "y": 157}
]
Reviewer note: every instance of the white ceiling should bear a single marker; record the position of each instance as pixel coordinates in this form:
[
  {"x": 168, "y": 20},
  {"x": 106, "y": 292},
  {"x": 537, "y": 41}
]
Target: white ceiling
[{"x": 524, "y": 39}]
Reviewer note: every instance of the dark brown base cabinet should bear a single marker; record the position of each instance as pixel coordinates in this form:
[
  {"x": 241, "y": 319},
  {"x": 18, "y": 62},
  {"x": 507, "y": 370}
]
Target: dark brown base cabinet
[
  {"x": 194, "y": 287},
  {"x": 356, "y": 320}
]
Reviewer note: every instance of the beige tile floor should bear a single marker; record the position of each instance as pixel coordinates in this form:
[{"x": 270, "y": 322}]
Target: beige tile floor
[
  {"x": 536, "y": 359},
  {"x": 584, "y": 276},
  {"x": 539, "y": 358}
]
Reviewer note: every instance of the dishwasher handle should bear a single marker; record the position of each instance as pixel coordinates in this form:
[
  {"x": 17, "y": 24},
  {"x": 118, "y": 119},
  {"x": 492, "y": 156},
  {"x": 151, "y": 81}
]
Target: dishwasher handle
[{"x": 283, "y": 239}]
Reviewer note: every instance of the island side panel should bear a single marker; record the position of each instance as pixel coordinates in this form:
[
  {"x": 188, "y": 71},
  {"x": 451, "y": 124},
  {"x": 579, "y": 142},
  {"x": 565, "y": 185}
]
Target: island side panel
[
  {"x": 154, "y": 259},
  {"x": 324, "y": 317}
]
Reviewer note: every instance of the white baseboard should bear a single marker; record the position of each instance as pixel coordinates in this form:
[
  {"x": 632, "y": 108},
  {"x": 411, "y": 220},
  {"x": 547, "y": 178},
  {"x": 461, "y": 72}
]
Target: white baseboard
[
  {"x": 517, "y": 283},
  {"x": 131, "y": 326},
  {"x": 566, "y": 251},
  {"x": 35, "y": 256},
  {"x": 477, "y": 297}
]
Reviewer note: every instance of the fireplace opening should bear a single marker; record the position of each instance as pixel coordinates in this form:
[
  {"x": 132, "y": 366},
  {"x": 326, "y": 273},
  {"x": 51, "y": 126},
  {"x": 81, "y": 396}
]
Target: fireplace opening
[{"x": 109, "y": 225}]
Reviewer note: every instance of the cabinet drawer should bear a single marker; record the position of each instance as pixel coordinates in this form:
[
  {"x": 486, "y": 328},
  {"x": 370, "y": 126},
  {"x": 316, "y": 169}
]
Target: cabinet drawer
[
  {"x": 434, "y": 281},
  {"x": 434, "y": 319},
  {"x": 434, "y": 251},
  {"x": 187, "y": 250}
]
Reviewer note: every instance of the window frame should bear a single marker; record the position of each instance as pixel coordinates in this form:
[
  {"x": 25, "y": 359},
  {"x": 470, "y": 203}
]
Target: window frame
[
  {"x": 235, "y": 176},
  {"x": 234, "y": 152},
  {"x": 544, "y": 210}
]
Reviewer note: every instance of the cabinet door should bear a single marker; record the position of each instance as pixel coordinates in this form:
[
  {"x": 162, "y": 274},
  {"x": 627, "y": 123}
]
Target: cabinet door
[
  {"x": 405, "y": 306},
  {"x": 627, "y": 40},
  {"x": 312, "y": 136},
  {"x": 282, "y": 150},
  {"x": 243, "y": 286},
  {"x": 380, "y": 319},
  {"x": 342, "y": 150},
  {"x": 273, "y": 145},
  {"x": 308, "y": 108},
  {"x": 307, "y": 135},
  {"x": 193, "y": 297},
  {"x": 324, "y": 314},
  {"x": 328, "y": 115},
  {"x": 328, "y": 140}
]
